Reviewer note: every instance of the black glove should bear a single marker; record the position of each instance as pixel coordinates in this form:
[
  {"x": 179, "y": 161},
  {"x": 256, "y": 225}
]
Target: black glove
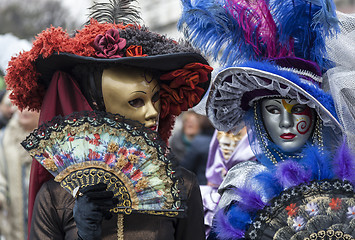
[{"x": 90, "y": 208}]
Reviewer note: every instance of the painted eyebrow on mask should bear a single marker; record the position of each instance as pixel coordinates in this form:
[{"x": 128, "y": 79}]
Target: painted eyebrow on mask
[{"x": 138, "y": 92}]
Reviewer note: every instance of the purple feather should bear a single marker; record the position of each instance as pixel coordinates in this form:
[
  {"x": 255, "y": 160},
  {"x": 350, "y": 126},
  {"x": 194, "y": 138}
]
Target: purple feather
[
  {"x": 291, "y": 173},
  {"x": 344, "y": 163},
  {"x": 250, "y": 200},
  {"x": 224, "y": 229},
  {"x": 259, "y": 28}
]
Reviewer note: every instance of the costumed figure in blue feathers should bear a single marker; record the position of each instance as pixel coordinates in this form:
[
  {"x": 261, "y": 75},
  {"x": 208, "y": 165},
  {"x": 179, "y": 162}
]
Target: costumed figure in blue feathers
[{"x": 274, "y": 57}]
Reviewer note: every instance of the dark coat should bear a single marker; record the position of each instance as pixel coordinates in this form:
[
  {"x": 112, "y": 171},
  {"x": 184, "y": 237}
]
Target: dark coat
[
  {"x": 196, "y": 156},
  {"x": 53, "y": 217}
]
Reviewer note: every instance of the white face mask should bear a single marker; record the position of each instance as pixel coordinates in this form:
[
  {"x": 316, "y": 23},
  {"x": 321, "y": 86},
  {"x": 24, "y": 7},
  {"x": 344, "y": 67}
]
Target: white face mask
[{"x": 288, "y": 123}]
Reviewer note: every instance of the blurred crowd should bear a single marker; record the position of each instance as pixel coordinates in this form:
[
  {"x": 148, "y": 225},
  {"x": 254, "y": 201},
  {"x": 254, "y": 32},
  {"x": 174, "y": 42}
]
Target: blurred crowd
[
  {"x": 15, "y": 165},
  {"x": 208, "y": 153},
  {"x": 190, "y": 144}
]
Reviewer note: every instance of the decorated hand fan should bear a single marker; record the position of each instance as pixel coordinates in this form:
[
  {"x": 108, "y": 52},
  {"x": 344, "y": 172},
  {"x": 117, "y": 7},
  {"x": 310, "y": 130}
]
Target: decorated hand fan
[
  {"x": 316, "y": 210},
  {"x": 88, "y": 148}
]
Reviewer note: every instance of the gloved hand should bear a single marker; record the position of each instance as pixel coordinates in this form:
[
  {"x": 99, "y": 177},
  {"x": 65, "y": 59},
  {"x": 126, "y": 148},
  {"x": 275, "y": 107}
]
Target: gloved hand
[{"x": 90, "y": 208}]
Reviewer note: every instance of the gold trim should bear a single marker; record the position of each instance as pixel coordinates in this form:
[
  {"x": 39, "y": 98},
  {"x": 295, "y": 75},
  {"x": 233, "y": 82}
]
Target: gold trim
[
  {"x": 100, "y": 165},
  {"x": 160, "y": 213},
  {"x": 331, "y": 234},
  {"x": 120, "y": 227},
  {"x": 50, "y": 165},
  {"x": 128, "y": 211}
]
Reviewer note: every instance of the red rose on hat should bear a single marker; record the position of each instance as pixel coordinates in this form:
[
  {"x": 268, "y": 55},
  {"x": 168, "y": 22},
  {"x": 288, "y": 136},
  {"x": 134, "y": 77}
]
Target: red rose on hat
[{"x": 109, "y": 45}]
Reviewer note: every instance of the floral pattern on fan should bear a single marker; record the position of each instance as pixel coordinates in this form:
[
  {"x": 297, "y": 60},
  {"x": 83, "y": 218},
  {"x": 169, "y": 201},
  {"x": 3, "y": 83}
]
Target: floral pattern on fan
[
  {"x": 86, "y": 148},
  {"x": 315, "y": 210}
]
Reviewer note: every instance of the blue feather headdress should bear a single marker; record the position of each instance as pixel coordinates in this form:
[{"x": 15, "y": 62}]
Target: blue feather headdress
[
  {"x": 245, "y": 35},
  {"x": 259, "y": 30}
]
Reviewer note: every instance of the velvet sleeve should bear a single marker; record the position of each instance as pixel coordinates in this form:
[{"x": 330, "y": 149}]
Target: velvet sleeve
[
  {"x": 191, "y": 227},
  {"x": 52, "y": 214}
]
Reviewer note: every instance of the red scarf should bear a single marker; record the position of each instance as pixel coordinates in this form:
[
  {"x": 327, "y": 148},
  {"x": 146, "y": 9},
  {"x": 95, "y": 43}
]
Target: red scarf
[{"x": 63, "y": 97}]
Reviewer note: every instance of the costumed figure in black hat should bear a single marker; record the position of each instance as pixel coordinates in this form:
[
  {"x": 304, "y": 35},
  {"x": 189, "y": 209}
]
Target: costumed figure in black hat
[
  {"x": 108, "y": 98},
  {"x": 274, "y": 56}
]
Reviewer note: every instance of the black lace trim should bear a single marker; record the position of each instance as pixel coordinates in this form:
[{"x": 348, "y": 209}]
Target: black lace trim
[{"x": 99, "y": 118}]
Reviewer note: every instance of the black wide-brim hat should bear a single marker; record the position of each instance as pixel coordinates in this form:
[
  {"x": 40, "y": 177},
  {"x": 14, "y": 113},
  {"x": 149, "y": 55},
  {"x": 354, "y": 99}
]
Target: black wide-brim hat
[
  {"x": 107, "y": 44},
  {"x": 162, "y": 63}
]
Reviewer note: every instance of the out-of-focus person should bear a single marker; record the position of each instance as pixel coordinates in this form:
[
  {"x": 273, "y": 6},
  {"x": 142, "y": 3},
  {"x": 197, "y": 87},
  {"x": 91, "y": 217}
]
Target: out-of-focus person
[
  {"x": 15, "y": 165},
  {"x": 225, "y": 150},
  {"x": 3, "y": 214},
  {"x": 2, "y": 82},
  {"x": 196, "y": 156},
  {"x": 6, "y": 108},
  {"x": 181, "y": 140}
]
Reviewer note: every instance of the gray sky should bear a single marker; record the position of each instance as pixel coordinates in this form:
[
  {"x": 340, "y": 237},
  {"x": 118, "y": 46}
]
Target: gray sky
[{"x": 78, "y": 9}]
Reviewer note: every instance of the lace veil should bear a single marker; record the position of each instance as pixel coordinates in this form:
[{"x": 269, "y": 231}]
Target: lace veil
[{"x": 341, "y": 79}]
